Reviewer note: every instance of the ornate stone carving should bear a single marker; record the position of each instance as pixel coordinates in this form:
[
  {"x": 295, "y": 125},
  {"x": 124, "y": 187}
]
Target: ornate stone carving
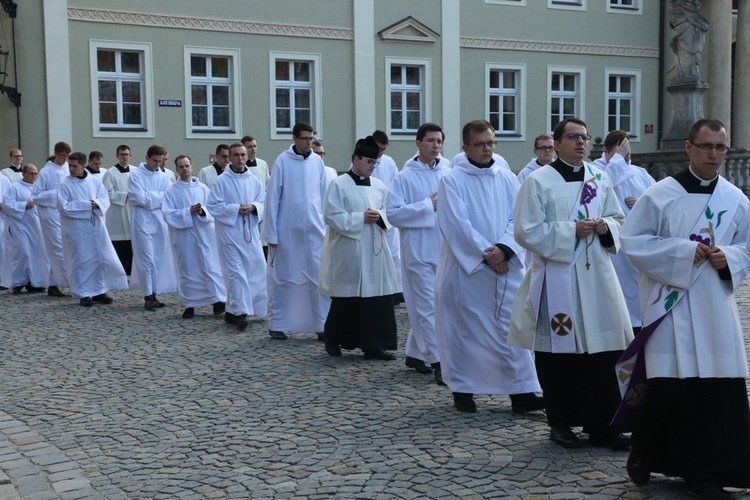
[
  {"x": 570, "y": 48},
  {"x": 207, "y": 24}
]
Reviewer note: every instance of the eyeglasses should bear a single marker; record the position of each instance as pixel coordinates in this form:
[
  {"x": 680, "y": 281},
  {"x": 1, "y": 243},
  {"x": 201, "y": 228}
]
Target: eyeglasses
[
  {"x": 124, "y": 154},
  {"x": 482, "y": 145},
  {"x": 223, "y": 156},
  {"x": 545, "y": 148},
  {"x": 17, "y": 156},
  {"x": 320, "y": 153},
  {"x": 573, "y": 137},
  {"x": 382, "y": 150},
  {"x": 31, "y": 173},
  {"x": 707, "y": 147},
  {"x": 369, "y": 161},
  {"x": 307, "y": 139}
]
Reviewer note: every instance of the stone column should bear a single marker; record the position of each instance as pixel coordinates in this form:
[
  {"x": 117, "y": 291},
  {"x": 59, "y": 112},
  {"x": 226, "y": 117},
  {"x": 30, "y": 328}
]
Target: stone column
[
  {"x": 741, "y": 77},
  {"x": 720, "y": 61}
]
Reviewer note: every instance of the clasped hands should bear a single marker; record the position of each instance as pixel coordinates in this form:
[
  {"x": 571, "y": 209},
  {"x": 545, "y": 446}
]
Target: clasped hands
[
  {"x": 496, "y": 259},
  {"x": 714, "y": 255},
  {"x": 371, "y": 216},
  {"x": 587, "y": 226}
]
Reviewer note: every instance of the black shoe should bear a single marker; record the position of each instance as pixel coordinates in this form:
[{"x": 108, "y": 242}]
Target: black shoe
[
  {"x": 437, "y": 373},
  {"x": 563, "y": 436},
  {"x": 17, "y": 290},
  {"x": 242, "y": 322},
  {"x": 639, "y": 469},
  {"x": 277, "y": 335},
  {"x": 150, "y": 304},
  {"x": 398, "y": 299},
  {"x": 610, "y": 440},
  {"x": 34, "y": 289},
  {"x": 103, "y": 298},
  {"x": 159, "y": 303},
  {"x": 219, "y": 308},
  {"x": 524, "y": 403},
  {"x": 332, "y": 348},
  {"x": 381, "y": 355},
  {"x": 86, "y": 302},
  {"x": 53, "y": 291},
  {"x": 230, "y": 318},
  {"x": 464, "y": 401},
  {"x": 189, "y": 313},
  {"x": 419, "y": 365},
  {"x": 321, "y": 336},
  {"x": 707, "y": 490}
]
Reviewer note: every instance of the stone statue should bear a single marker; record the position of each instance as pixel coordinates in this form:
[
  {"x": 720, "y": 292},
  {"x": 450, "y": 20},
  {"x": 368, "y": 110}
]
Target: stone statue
[{"x": 689, "y": 27}]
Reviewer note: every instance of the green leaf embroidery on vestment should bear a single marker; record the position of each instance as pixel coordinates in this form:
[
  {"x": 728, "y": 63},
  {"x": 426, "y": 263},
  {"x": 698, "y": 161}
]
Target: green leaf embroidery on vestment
[
  {"x": 598, "y": 177},
  {"x": 709, "y": 213},
  {"x": 718, "y": 218},
  {"x": 581, "y": 215},
  {"x": 670, "y": 300}
]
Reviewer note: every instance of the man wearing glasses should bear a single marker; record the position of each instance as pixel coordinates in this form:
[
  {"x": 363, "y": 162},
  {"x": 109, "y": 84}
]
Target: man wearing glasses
[
  {"x": 544, "y": 149},
  {"x": 570, "y": 308},
  {"x": 115, "y": 181},
  {"x": 356, "y": 268},
  {"x": 210, "y": 173},
  {"x": 687, "y": 235},
  {"x": 294, "y": 229},
  {"x": 13, "y": 173}
]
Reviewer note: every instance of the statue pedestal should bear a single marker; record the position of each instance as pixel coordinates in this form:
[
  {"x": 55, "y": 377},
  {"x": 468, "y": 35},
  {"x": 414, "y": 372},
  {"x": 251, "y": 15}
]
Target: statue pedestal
[{"x": 688, "y": 107}]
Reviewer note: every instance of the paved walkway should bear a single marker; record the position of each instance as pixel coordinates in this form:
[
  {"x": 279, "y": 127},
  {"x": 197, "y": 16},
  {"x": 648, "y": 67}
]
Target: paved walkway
[{"x": 118, "y": 402}]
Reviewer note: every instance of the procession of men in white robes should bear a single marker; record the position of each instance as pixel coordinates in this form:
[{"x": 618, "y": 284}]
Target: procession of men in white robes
[
  {"x": 153, "y": 266},
  {"x": 293, "y": 221},
  {"x": 45, "y": 196},
  {"x": 28, "y": 264},
  {"x": 90, "y": 257},
  {"x": 236, "y": 202},
  {"x": 193, "y": 238}
]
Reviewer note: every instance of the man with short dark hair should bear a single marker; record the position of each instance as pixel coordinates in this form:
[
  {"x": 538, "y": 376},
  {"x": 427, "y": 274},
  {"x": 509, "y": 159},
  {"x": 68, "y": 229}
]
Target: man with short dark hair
[
  {"x": 687, "y": 235},
  {"x": 28, "y": 264},
  {"x": 544, "y": 149},
  {"x": 44, "y": 193},
  {"x": 90, "y": 256},
  {"x": 210, "y": 173},
  {"x": 294, "y": 229},
  {"x": 257, "y": 166},
  {"x": 13, "y": 172},
  {"x": 115, "y": 181},
  {"x": 193, "y": 237},
  {"x": 153, "y": 266},
  {"x": 94, "y": 166},
  {"x": 320, "y": 150},
  {"x": 236, "y": 202},
  {"x": 570, "y": 308},
  {"x": 356, "y": 267}
]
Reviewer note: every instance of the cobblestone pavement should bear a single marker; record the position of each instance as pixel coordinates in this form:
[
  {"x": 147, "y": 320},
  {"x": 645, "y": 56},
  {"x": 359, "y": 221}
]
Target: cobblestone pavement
[{"x": 118, "y": 402}]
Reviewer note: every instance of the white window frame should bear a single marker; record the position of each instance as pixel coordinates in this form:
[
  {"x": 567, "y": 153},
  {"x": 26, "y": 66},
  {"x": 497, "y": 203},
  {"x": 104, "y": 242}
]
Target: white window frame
[
  {"x": 567, "y": 4},
  {"x": 316, "y": 102},
  {"x": 616, "y": 7},
  {"x": 580, "y": 72},
  {"x": 426, "y": 91},
  {"x": 520, "y": 94},
  {"x": 147, "y": 95},
  {"x": 235, "y": 96},
  {"x": 635, "y": 118},
  {"x": 515, "y": 3}
]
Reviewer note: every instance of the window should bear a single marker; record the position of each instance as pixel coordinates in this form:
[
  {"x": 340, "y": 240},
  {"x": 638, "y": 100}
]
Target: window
[
  {"x": 518, "y": 3},
  {"x": 505, "y": 103},
  {"x": 211, "y": 91},
  {"x": 294, "y": 92},
  {"x": 407, "y": 94},
  {"x": 567, "y": 4},
  {"x": 121, "y": 84},
  {"x": 622, "y": 98},
  {"x": 625, "y": 6},
  {"x": 565, "y": 94}
]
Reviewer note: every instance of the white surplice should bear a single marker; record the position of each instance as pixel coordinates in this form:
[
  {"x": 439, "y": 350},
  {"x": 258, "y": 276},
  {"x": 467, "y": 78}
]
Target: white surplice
[
  {"x": 532, "y": 166},
  {"x": 628, "y": 180},
  {"x": 27, "y": 257},
  {"x": 4, "y": 267},
  {"x": 293, "y": 221},
  {"x": 473, "y": 302},
  {"x": 386, "y": 171},
  {"x": 118, "y": 215},
  {"x": 702, "y": 336},
  {"x": 543, "y": 208},
  {"x": 240, "y": 252},
  {"x": 91, "y": 259},
  {"x": 260, "y": 170},
  {"x": 411, "y": 210},
  {"x": 356, "y": 260},
  {"x": 193, "y": 239},
  {"x": 153, "y": 267},
  {"x": 44, "y": 194},
  {"x": 208, "y": 175},
  {"x": 11, "y": 174}
]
